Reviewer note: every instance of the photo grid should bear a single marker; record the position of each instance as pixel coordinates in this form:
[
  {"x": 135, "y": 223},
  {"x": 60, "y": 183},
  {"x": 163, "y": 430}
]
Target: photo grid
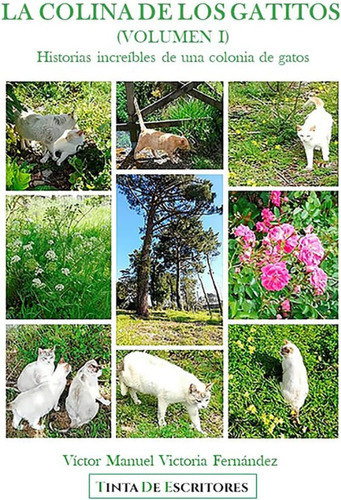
[{"x": 172, "y": 260}]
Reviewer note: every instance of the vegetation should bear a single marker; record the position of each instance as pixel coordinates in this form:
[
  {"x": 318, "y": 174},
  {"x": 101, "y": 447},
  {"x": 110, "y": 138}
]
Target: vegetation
[
  {"x": 170, "y": 263},
  {"x": 311, "y": 215},
  {"x": 90, "y": 168},
  {"x": 58, "y": 257},
  {"x": 203, "y": 125},
  {"x": 264, "y": 149},
  {"x": 169, "y": 327},
  {"x": 140, "y": 421},
  {"x": 256, "y": 406},
  {"x": 77, "y": 344}
]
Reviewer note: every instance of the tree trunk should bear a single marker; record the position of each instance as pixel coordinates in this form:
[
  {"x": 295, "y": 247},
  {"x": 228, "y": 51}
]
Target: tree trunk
[
  {"x": 214, "y": 284},
  {"x": 144, "y": 268},
  {"x": 205, "y": 294},
  {"x": 178, "y": 283}
]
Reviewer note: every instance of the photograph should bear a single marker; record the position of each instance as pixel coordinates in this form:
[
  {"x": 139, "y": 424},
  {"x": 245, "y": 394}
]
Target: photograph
[
  {"x": 181, "y": 394},
  {"x": 58, "y": 257},
  {"x": 169, "y": 261},
  {"x": 58, "y": 136},
  {"x": 283, "y": 255},
  {"x": 169, "y": 125},
  {"x": 283, "y": 381},
  {"x": 283, "y": 134},
  {"x": 58, "y": 381}
]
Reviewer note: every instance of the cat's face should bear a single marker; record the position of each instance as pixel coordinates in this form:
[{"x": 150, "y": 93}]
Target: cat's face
[
  {"x": 75, "y": 136},
  {"x": 46, "y": 355},
  {"x": 306, "y": 134},
  {"x": 198, "y": 398},
  {"x": 92, "y": 368},
  {"x": 288, "y": 350}
]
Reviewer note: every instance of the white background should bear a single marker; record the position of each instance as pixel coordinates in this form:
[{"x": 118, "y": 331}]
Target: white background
[{"x": 34, "y": 468}]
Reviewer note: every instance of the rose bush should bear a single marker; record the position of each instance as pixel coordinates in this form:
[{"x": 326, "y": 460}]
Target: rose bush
[{"x": 283, "y": 255}]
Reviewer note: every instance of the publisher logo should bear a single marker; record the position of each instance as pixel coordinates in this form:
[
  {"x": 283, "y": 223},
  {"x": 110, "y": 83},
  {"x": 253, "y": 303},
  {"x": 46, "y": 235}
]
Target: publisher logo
[{"x": 172, "y": 486}]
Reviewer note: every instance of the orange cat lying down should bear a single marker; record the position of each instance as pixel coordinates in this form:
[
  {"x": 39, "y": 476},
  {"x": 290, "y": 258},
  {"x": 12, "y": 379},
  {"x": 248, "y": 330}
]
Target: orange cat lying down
[{"x": 156, "y": 140}]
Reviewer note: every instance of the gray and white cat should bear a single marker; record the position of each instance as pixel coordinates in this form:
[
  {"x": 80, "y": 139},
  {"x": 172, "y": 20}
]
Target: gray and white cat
[
  {"x": 81, "y": 402},
  {"x": 316, "y": 132},
  {"x": 45, "y": 129},
  {"x": 37, "y": 402},
  {"x": 68, "y": 144},
  {"x": 38, "y": 371},
  {"x": 141, "y": 372}
]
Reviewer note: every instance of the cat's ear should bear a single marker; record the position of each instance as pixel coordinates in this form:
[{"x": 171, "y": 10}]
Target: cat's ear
[
  {"x": 192, "y": 388},
  {"x": 299, "y": 127},
  {"x": 40, "y": 350},
  {"x": 79, "y": 132},
  {"x": 209, "y": 386},
  {"x": 61, "y": 361},
  {"x": 285, "y": 342},
  {"x": 54, "y": 348},
  {"x": 313, "y": 128},
  {"x": 72, "y": 115}
]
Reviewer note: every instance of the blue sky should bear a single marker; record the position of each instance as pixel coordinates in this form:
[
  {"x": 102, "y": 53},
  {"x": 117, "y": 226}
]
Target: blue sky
[{"x": 129, "y": 236}]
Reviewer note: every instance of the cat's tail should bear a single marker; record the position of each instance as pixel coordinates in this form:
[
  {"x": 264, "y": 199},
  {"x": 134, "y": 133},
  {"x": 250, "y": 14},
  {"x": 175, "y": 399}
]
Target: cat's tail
[
  {"x": 317, "y": 101},
  {"x": 139, "y": 115}
]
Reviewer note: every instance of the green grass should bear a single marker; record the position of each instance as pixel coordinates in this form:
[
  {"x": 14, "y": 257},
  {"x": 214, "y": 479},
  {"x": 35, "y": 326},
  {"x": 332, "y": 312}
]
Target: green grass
[
  {"x": 90, "y": 168},
  {"x": 140, "y": 421},
  {"x": 169, "y": 327},
  {"x": 77, "y": 344},
  {"x": 264, "y": 149},
  {"x": 58, "y": 258},
  {"x": 256, "y": 406}
]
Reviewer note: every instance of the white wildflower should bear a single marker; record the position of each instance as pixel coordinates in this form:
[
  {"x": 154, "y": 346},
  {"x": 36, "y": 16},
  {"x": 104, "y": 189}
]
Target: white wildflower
[
  {"x": 51, "y": 255},
  {"x": 69, "y": 256},
  {"x": 54, "y": 233},
  {"x": 66, "y": 271},
  {"x": 28, "y": 247},
  {"x": 38, "y": 283},
  {"x": 38, "y": 271},
  {"x": 17, "y": 243},
  {"x": 26, "y": 232},
  {"x": 59, "y": 287},
  {"x": 51, "y": 242},
  {"x": 15, "y": 258}
]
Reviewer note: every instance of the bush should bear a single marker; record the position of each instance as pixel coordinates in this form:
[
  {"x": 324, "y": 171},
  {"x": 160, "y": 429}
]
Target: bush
[{"x": 266, "y": 254}]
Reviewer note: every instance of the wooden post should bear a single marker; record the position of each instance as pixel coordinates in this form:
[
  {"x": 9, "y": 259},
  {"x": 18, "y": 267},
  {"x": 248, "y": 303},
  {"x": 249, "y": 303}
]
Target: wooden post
[{"x": 132, "y": 127}]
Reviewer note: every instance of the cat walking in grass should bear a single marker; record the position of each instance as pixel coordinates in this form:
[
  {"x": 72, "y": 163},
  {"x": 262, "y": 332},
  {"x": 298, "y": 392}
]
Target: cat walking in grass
[{"x": 147, "y": 374}]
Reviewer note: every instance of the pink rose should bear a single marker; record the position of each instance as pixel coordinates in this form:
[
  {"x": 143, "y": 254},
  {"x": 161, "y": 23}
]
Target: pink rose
[
  {"x": 279, "y": 316},
  {"x": 290, "y": 244},
  {"x": 318, "y": 279},
  {"x": 297, "y": 289},
  {"x": 309, "y": 229},
  {"x": 261, "y": 227},
  {"x": 286, "y": 306},
  {"x": 275, "y": 276},
  {"x": 267, "y": 216},
  {"x": 285, "y": 199},
  {"x": 245, "y": 232},
  {"x": 276, "y": 234},
  {"x": 288, "y": 230},
  {"x": 311, "y": 251},
  {"x": 275, "y": 197}
]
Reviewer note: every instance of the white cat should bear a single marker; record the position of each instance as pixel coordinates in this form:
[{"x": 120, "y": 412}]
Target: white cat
[
  {"x": 69, "y": 143},
  {"x": 38, "y": 371},
  {"x": 141, "y": 372},
  {"x": 294, "y": 385},
  {"x": 37, "y": 402},
  {"x": 81, "y": 402},
  {"x": 316, "y": 132},
  {"x": 45, "y": 129}
]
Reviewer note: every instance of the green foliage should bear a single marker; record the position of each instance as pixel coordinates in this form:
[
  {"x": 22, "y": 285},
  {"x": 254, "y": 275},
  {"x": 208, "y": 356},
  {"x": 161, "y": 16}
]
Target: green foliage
[
  {"x": 256, "y": 406},
  {"x": 77, "y": 344},
  {"x": 169, "y": 327},
  {"x": 248, "y": 299},
  {"x": 91, "y": 104},
  {"x": 17, "y": 176},
  {"x": 140, "y": 421},
  {"x": 58, "y": 257},
  {"x": 263, "y": 145}
]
